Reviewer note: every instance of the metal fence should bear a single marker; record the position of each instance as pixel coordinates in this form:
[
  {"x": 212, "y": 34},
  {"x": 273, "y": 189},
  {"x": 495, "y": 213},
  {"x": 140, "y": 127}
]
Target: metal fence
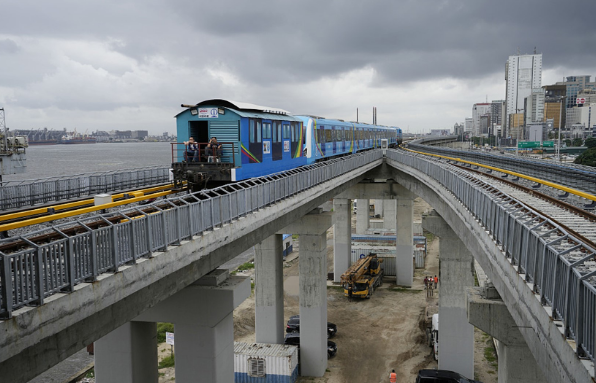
[
  {"x": 41, "y": 269},
  {"x": 571, "y": 175},
  {"x": 29, "y": 193},
  {"x": 561, "y": 269}
]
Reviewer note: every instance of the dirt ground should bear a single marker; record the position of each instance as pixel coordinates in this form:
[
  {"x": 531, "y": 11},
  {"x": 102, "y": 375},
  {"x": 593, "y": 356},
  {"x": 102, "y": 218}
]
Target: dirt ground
[{"x": 375, "y": 335}]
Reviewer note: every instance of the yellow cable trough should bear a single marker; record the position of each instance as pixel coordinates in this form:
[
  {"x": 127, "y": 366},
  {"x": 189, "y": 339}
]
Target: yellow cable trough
[
  {"x": 53, "y": 217},
  {"x": 533, "y": 179},
  {"x": 68, "y": 205}
]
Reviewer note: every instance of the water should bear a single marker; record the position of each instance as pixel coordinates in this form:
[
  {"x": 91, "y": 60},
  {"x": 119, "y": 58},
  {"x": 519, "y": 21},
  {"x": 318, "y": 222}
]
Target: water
[{"x": 67, "y": 160}]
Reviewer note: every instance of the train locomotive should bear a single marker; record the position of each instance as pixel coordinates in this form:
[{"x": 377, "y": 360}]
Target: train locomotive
[{"x": 258, "y": 141}]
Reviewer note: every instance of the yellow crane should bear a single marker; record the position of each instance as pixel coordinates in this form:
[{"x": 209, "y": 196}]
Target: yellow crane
[{"x": 361, "y": 279}]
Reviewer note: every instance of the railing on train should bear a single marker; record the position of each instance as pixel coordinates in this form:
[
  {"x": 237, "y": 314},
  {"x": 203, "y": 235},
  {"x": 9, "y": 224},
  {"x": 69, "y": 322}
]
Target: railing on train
[
  {"x": 180, "y": 152},
  {"x": 560, "y": 266},
  {"x": 16, "y": 194},
  {"x": 30, "y": 275}
]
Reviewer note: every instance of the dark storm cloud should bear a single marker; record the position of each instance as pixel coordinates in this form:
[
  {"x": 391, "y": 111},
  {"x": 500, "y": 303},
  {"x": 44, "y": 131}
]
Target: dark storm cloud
[
  {"x": 402, "y": 40},
  {"x": 8, "y": 46}
]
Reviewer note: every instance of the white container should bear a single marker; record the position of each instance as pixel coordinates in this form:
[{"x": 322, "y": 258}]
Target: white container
[{"x": 260, "y": 362}]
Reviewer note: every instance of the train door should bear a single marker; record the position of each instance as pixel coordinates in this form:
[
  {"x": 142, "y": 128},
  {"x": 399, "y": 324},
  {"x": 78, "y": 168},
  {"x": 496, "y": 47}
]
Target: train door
[
  {"x": 255, "y": 141},
  {"x": 286, "y": 139},
  {"x": 334, "y": 139},
  {"x": 321, "y": 142},
  {"x": 340, "y": 139},
  {"x": 295, "y": 139},
  {"x": 199, "y": 130},
  {"x": 276, "y": 141},
  {"x": 267, "y": 138}
]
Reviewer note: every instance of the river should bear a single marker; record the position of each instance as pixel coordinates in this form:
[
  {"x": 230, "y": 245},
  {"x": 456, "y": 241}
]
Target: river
[{"x": 65, "y": 160}]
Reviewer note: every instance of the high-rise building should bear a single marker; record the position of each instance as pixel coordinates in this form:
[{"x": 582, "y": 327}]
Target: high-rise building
[
  {"x": 497, "y": 112},
  {"x": 478, "y": 110},
  {"x": 534, "y": 106},
  {"x": 469, "y": 125},
  {"x": 522, "y": 74},
  {"x": 553, "y": 97},
  {"x": 575, "y": 85}
]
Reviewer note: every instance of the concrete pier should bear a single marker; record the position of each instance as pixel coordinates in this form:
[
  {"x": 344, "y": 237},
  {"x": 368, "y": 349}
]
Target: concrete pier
[
  {"x": 202, "y": 314},
  {"x": 389, "y": 214},
  {"x": 312, "y": 229},
  {"x": 455, "y": 275},
  {"x": 516, "y": 363},
  {"x": 269, "y": 292},
  {"x": 342, "y": 237},
  {"x": 362, "y": 216},
  {"x": 127, "y": 354},
  {"x": 404, "y": 245}
]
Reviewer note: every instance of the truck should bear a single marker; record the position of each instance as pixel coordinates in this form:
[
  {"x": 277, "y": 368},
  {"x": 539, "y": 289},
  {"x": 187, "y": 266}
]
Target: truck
[{"x": 361, "y": 279}]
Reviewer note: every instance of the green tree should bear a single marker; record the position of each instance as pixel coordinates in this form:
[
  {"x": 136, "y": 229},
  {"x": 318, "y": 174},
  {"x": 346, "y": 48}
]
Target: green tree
[
  {"x": 577, "y": 142},
  {"x": 567, "y": 142},
  {"x": 590, "y": 142},
  {"x": 587, "y": 158}
]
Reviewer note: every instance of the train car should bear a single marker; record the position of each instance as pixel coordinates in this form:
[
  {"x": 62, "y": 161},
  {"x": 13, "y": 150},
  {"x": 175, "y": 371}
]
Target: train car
[
  {"x": 256, "y": 141},
  {"x": 327, "y": 138}
]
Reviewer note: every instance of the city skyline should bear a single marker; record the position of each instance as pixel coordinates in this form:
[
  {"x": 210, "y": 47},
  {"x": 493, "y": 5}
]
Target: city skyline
[{"x": 129, "y": 65}]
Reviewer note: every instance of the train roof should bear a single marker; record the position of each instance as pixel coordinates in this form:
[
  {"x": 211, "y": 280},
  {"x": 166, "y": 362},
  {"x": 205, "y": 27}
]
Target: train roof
[{"x": 238, "y": 106}]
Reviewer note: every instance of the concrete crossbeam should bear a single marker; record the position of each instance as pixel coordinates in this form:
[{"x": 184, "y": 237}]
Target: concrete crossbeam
[
  {"x": 516, "y": 363},
  {"x": 310, "y": 224},
  {"x": 455, "y": 275},
  {"x": 269, "y": 292},
  {"x": 342, "y": 237}
]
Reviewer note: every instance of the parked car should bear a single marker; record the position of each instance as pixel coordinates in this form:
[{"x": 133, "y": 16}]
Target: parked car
[
  {"x": 442, "y": 376},
  {"x": 293, "y": 325},
  {"x": 293, "y": 339}
]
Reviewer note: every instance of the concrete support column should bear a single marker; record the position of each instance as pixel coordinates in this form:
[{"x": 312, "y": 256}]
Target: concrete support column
[
  {"x": 455, "y": 275},
  {"x": 202, "y": 314},
  {"x": 389, "y": 214},
  {"x": 362, "y": 216},
  {"x": 342, "y": 237},
  {"x": 404, "y": 214},
  {"x": 313, "y": 304},
  {"x": 312, "y": 229},
  {"x": 127, "y": 354},
  {"x": 516, "y": 363},
  {"x": 269, "y": 291},
  {"x": 378, "y": 207}
]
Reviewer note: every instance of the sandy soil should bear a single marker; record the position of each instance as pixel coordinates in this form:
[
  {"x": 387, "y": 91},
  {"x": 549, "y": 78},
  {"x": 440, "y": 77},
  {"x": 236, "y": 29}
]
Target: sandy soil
[{"x": 375, "y": 335}]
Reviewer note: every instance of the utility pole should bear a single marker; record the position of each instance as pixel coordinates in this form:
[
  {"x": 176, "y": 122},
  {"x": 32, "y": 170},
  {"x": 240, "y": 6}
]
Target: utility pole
[{"x": 4, "y": 130}]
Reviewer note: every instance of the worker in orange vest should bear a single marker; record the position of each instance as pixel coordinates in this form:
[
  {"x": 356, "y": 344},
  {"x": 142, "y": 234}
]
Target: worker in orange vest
[
  {"x": 393, "y": 377},
  {"x": 436, "y": 281}
]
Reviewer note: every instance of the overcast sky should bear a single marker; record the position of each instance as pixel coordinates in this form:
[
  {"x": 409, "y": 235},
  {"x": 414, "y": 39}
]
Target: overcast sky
[{"x": 130, "y": 64}]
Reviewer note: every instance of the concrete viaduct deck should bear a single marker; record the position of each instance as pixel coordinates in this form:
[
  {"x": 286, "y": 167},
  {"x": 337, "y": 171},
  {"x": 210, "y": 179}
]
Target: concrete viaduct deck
[{"x": 39, "y": 337}]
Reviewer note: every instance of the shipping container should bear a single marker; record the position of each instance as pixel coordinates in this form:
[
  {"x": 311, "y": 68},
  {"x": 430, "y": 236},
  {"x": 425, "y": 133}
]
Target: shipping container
[
  {"x": 360, "y": 250},
  {"x": 265, "y": 363},
  {"x": 419, "y": 258}
]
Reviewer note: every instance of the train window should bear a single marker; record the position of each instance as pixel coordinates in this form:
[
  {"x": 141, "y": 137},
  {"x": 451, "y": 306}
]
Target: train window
[
  {"x": 279, "y": 136},
  {"x": 258, "y": 130},
  {"x": 293, "y": 129},
  {"x": 251, "y": 131},
  {"x": 328, "y": 136},
  {"x": 266, "y": 130},
  {"x": 274, "y": 131},
  {"x": 300, "y": 127},
  {"x": 286, "y": 132}
]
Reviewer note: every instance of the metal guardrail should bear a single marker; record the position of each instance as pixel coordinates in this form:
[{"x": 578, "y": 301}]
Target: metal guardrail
[
  {"x": 30, "y": 275},
  {"x": 30, "y": 193},
  {"x": 561, "y": 268},
  {"x": 579, "y": 177}
]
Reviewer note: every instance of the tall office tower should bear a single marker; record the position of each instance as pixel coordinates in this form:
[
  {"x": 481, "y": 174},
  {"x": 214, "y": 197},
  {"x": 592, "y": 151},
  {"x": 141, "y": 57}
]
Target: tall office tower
[
  {"x": 522, "y": 73},
  {"x": 574, "y": 85},
  {"x": 478, "y": 110},
  {"x": 469, "y": 125},
  {"x": 553, "y": 98},
  {"x": 497, "y": 112},
  {"x": 534, "y": 106}
]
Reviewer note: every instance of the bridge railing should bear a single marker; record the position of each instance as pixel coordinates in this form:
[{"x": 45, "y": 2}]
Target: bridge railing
[
  {"x": 42, "y": 268},
  {"x": 16, "y": 194},
  {"x": 579, "y": 177},
  {"x": 556, "y": 265}
]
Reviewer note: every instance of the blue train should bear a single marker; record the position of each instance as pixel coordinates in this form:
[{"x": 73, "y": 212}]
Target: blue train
[{"x": 257, "y": 141}]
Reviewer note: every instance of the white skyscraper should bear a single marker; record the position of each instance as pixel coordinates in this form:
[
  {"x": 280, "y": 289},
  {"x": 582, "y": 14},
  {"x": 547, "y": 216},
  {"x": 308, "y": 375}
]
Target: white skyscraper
[
  {"x": 479, "y": 110},
  {"x": 522, "y": 73}
]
